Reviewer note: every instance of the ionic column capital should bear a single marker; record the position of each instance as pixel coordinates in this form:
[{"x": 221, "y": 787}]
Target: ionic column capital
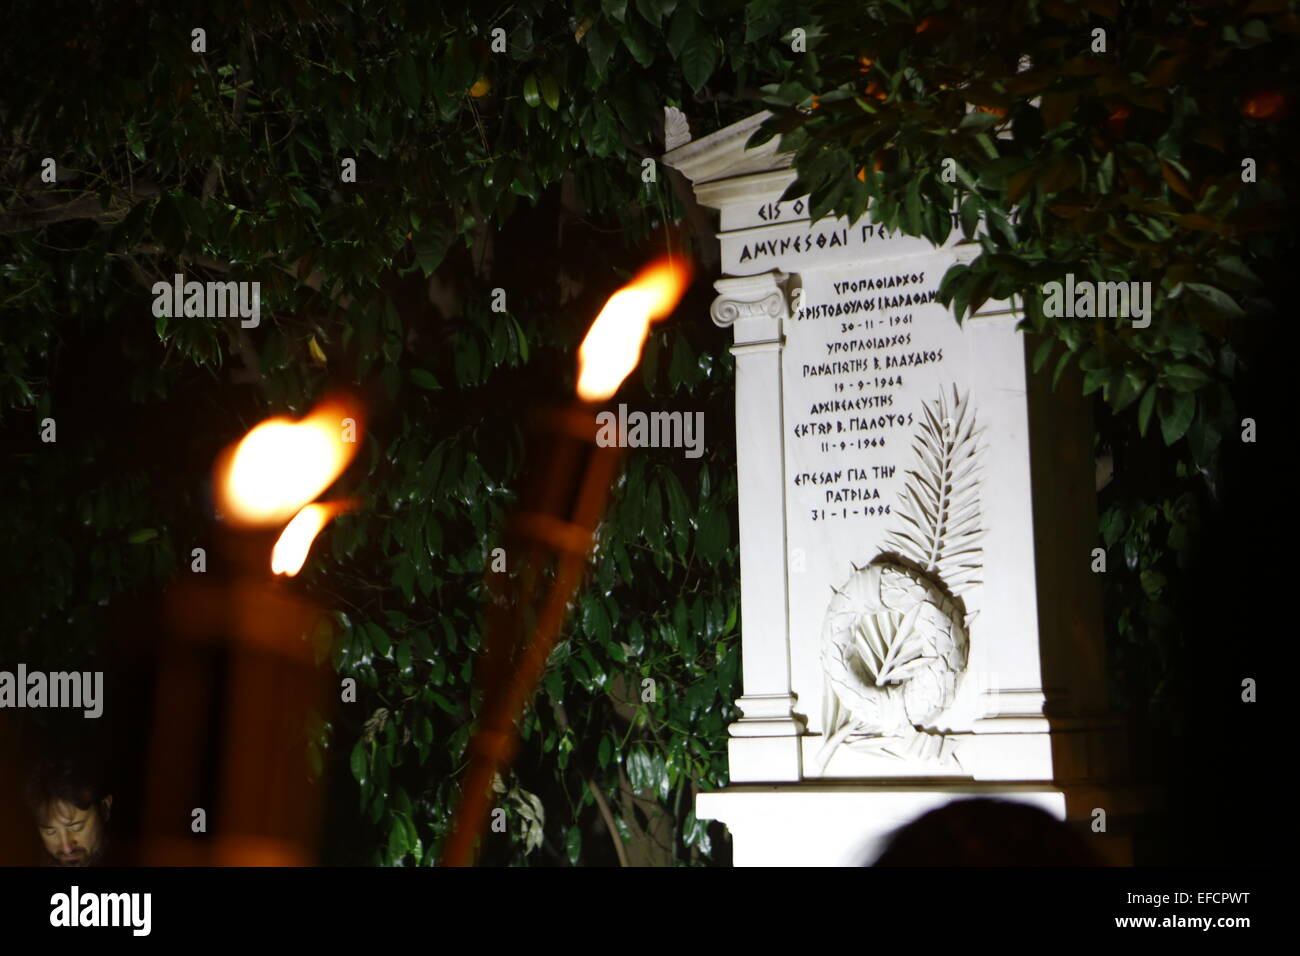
[{"x": 754, "y": 305}]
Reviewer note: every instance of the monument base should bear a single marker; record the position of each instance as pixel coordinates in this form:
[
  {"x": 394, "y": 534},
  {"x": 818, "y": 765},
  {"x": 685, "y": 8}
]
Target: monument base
[{"x": 848, "y": 824}]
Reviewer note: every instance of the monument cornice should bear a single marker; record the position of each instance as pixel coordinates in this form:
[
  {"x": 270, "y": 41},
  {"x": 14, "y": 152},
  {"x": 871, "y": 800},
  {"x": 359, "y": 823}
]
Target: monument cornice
[
  {"x": 755, "y": 186},
  {"x": 722, "y": 155}
]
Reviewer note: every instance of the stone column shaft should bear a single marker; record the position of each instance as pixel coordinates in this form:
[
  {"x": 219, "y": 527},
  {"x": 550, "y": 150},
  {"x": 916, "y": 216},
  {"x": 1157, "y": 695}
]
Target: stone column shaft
[{"x": 764, "y": 743}]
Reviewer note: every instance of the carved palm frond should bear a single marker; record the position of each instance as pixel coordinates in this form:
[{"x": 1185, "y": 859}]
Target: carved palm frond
[
  {"x": 939, "y": 512},
  {"x": 889, "y": 657}
]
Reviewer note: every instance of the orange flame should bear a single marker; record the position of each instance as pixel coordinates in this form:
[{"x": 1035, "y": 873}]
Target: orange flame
[
  {"x": 612, "y": 347},
  {"x": 281, "y": 465},
  {"x": 290, "y": 551}
]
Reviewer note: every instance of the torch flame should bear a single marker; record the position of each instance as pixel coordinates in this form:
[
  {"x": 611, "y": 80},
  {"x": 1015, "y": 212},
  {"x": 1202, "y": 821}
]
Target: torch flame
[
  {"x": 612, "y": 347},
  {"x": 282, "y": 465},
  {"x": 290, "y": 551}
]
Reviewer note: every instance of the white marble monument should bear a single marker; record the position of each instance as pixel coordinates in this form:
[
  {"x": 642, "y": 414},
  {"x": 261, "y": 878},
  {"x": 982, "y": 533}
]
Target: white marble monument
[{"x": 916, "y": 521}]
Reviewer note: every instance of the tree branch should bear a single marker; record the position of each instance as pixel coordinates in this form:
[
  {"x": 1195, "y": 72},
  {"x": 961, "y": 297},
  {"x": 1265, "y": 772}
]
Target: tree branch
[
  {"x": 700, "y": 222},
  {"x": 237, "y": 111},
  {"x": 562, "y": 719},
  {"x": 42, "y": 214},
  {"x": 608, "y": 816}
]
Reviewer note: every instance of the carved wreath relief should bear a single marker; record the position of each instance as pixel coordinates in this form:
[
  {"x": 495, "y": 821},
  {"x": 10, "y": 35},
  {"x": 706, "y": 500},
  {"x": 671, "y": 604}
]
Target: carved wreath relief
[{"x": 895, "y": 642}]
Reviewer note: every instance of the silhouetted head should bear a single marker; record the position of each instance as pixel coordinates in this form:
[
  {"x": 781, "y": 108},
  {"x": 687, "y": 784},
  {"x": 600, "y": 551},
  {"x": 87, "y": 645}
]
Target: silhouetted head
[
  {"x": 984, "y": 832},
  {"x": 71, "y": 806}
]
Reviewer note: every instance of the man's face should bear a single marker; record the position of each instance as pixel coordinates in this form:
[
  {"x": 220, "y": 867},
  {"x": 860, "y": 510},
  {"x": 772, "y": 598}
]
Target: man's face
[{"x": 73, "y": 836}]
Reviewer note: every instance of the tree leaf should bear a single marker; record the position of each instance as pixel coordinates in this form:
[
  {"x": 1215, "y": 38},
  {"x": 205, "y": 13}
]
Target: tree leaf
[
  {"x": 532, "y": 95},
  {"x": 1129, "y": 387},
  {"x": 1145, "y": 408},
  {"x": 1176, "y": 413},
  {"x": 1060, "y": 367},
  {"x": 396, "y": 841},
  {"x": 1185, "y": 378},
  {"x": 573, "y": 844},
  {"x": 425, "y": 379},
  {"x": 1043, "y": 352},
  {"x": 692, "y": 46},
  {"x": 600, "y": 42},
  {"x": 971, "y": 208},
  {"x": 358, "y": 762},
  {"x": 1220, "y": 300},
  {"x": 1019, "y": 183},
  {"x": 762, "y": 17},
  {"x": 1175, "y": 181},
  {"x": 550, "y": 91},
  {"x": 1113, "y": 523},
  {"x": 714, "y": 534},
  {"x": 639, "y": 770},
  {"x": 380, "y": 642}
]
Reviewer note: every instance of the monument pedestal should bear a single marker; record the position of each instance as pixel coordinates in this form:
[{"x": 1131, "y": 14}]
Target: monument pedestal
[
  {"x": 842, "y": 824},
  {"x": 917, "y": 516},
  {"x": 848, "y": 824}
]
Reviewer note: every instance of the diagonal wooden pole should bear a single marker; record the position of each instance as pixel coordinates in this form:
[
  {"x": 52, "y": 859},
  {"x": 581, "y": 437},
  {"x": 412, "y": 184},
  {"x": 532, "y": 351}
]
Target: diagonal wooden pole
[{"x": 557, "y": 524}]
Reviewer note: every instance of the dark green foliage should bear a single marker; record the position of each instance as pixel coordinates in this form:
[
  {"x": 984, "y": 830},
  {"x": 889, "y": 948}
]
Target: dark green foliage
[
  {"x": 521, "y": 170},
  {"x": 477, "y": 169},
  {"x": 1123, "y": 165}
]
